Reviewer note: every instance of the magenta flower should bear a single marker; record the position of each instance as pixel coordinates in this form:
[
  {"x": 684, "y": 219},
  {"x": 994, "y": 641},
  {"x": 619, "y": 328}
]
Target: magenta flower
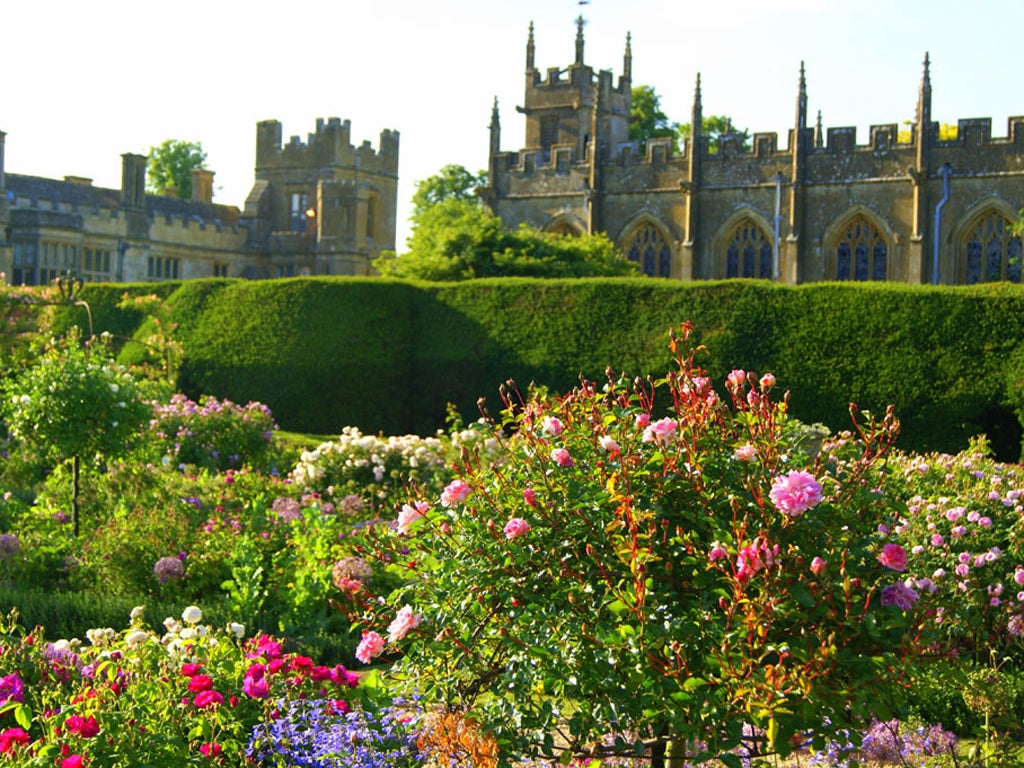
[
  {"x": 12, "y": 689},
  {"x": 210, "y": 749},
  {"x": 561, "y": 457},
  {"x": 530, "y": 497},
  {"x": 205, "y": 699},
  {"x": 371, "y": 645},
  {"x": 894, "y": 557},
  {"x": 818, "y": 566},
  {"x": 795, "y": 493},
  {"x": 516, "y": 527},
  {"x": 72, "y": 761},
  {"x": 255, "y": 687},
  {"x": 404, "y": 620},
  {"x": 900, "y": 595},
  {"x": 456, "y": 491},
  {"x": 200, "y": 683},
  {"x": 718, "y": 552}
]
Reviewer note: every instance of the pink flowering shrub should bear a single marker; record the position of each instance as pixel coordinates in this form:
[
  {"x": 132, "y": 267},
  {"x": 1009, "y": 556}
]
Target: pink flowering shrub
[{"x": 676, "y": 576}]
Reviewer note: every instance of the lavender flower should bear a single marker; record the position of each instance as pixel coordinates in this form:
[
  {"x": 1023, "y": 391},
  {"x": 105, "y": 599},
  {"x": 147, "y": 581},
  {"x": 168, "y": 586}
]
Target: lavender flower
[
  {"x": 168, "y": 568},
  {"x": 9, "y": 546}
]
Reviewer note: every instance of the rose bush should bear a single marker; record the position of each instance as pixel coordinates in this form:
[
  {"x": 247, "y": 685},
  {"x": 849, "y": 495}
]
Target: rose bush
[{"x": 675, "y": 578}]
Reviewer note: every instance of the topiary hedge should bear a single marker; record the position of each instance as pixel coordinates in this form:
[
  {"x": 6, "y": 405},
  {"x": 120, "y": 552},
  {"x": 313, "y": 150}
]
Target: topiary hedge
[{"x": 388, "y": 356}]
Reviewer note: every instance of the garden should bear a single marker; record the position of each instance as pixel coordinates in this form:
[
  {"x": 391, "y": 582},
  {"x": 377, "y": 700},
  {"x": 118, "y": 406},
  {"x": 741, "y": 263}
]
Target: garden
[{"x": 645, "y": 571}]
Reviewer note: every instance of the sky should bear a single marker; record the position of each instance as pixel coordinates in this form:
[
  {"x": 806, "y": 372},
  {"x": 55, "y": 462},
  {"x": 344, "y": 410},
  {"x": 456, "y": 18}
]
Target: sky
[{"x": 84, "y": 83}]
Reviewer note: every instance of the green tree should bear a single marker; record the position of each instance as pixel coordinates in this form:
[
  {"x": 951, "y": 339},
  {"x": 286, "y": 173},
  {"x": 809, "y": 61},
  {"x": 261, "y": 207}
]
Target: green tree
[
  {"x": 459, "y": 239},
  {"x": 713, "y": 127},
  {"x": 171, "y": 164},
  {"x": 453, "y": 182},
  {"x": 646, "y": 120}
]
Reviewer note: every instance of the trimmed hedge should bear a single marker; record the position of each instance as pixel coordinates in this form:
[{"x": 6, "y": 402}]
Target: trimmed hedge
[{"x": 387, "y": 356}]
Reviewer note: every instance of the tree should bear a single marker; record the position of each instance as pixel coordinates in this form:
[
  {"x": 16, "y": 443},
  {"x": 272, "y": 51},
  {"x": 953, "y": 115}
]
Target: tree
[
  {"x": 453, "y": 182},
  {"x": 646, "y": 120},
  {"x": 947, "y": 132},
  {"x": 459, "y": 239},
  {"x": 171, "y": 165},
  {"x": 713, "y": 127}
]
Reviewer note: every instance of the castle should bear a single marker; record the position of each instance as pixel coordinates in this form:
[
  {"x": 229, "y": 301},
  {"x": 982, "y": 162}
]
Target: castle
[
  {"x": 319, "y": 207},
  {"x": 923, "y": 210}
]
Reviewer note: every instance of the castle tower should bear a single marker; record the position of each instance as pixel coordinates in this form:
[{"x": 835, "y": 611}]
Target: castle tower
[{"x": 798, "y": 144}]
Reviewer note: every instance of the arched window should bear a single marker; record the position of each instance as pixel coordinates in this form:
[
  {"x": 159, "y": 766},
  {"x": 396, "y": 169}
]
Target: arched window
[
  {"x": 749, "y": 252},
  {"x": 563, "y": 228},
  {"x": 648, "y": 248},
  {"x": 861, "y": 252},
  {"x": 992, "y": 251}
]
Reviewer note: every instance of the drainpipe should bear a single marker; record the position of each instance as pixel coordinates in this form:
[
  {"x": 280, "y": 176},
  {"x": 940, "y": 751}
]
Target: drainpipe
[
  {"x": 945, "y": 170},
  {"x": 778, "y": 222}
]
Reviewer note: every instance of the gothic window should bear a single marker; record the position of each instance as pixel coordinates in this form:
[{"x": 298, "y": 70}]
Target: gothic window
[
  {"x": 749, "y": 252},
  {"x": 297, "y": 217},
  {"x": 993, "y": 252},
  {"x": 648, "y": 248},
  {"x": 563, "y": 228},
  {"x": 548, "y": 131},
  {"x": 861, "y": 253}
]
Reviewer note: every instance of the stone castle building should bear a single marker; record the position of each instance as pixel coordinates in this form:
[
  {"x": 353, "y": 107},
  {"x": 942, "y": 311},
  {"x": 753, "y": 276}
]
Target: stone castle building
[
  {"x": 319, "y": 207},
  {"x": 923, "y": 210}
]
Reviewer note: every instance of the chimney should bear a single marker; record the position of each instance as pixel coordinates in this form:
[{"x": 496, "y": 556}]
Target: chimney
[
  {"x": 202, "y": 185},
  {"x": 133, "y": 180}
]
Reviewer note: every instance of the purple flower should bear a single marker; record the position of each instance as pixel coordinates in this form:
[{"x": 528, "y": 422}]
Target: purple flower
[
  {"x": 168, "y": 568},
  {"x": 900, "y": 595}
]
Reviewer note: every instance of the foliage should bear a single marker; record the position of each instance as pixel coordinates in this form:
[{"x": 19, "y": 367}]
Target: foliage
[
  {"x": 713, "y": 128},
  {"x": 453, "y": 182},
  {"x": 947, "y": 132},
  {"x": 159, "y": 354},
  {"x": 171, "y": 164},
  {"x": 213, "y": 434},
  {"x": 75, "y": 402},
  {"x": 646, "y": 120},
  {"x": 676, "y": 577},
  {"x": 460, "y": 240}
]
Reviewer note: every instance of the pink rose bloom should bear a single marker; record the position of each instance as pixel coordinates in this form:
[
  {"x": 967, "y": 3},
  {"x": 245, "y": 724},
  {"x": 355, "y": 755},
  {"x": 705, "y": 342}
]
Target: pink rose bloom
[
  {"x": 795, "y": 493},
  {"x": 735, "y": 379},
  {"x": 937, "y": 540},
  {"x": 748, "y": 562},
  {"x": 900, "y": 595},
  {"x": 608, "y": 443},
  {"x": 530, "y": 497},
  {"x": 551, "y": 426},
  {"x": 255, "y": 687},
  {"x": 718, "y": 552},
  {"x": 455, "y": 492},
  {"x": 767, "y": 381},
  {"x": 210, "y": 749},
  {"x": 72, "y": 761},
  {"x": 200, "y": 683},
  {"x": 371, "y": 645},
  {"x": 516, "y": 527},
  {"x": 892, "y": 556},
  {"x": 660, "y": 431},
  {"x": 561, "y": 457},
  {"x": 1018, "y": 576},
  {"x": 745, "y": 453},
  {"x": 818, "y": 566},
  {"x": 404, "y": 620},
  {"x": 410, "y": 513},
  {"x": 642, "y": 420}
]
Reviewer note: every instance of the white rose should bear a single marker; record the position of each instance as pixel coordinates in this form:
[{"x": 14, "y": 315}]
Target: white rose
[
  {"x": 137, "y": 638},
  {"x": 236, "y": 629},
  {"x": 192, "y": 615}
]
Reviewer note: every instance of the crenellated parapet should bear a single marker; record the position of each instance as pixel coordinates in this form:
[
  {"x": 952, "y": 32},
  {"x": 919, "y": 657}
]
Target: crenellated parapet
[{"x": 329, "y": 146}]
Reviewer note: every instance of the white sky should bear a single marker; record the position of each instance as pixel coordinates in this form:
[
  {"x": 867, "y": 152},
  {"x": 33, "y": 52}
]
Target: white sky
[{"x": 84, "y": 82}]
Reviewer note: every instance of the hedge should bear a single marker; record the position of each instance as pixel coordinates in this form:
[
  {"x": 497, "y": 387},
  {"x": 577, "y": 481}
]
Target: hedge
[{"x": 387, "y": 356}]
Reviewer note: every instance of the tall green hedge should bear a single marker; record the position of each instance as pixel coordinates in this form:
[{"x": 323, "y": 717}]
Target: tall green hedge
[{"x": 388, "y": 356}]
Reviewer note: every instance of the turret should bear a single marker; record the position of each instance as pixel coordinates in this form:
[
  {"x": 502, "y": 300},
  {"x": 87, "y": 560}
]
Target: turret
[
  {"x": 495, "y": 128},
  {"x": 924, "y": 117},
  {"x": 579, "y": 41},
  {"x": 627, "y": 61},
  {"x": 530, "y": 53},
  {"x": 798, "y": 146}
]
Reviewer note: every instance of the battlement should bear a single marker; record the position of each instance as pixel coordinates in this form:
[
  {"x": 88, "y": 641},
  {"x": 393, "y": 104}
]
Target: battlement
[{"x": 330, "y": 145}]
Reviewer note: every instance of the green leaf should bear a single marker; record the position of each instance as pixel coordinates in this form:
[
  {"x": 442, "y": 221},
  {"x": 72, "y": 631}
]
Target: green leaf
[{"x": 23, "y": 716}]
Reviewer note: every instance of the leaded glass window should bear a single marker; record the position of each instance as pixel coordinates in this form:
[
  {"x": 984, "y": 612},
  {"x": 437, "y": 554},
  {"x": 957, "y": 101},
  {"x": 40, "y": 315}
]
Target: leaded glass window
[
  {"x": 648, "y": 248},
  {"x": 992, "y": 251},
  {"x": 862, "y": 253},
  {"x": 749, "y": 252}
]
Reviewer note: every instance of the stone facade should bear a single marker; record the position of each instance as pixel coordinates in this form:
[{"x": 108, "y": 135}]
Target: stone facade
[
  {"x": 922, "y": 210},
  {"x": 316, "y": 208}
]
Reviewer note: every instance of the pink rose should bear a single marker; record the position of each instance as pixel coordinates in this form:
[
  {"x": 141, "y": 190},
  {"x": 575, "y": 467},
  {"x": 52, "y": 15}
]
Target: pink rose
[
  {"x": 561, "y": 457},
  {"x": 818, "y": 566},
  {"x": 530, "y": 497},
  {"x": 551, "y": 426},
  {"x": 900, "y": 595},
  {"x": 404, "y": 620},
  {"x": 516, "y": 527},
  {"x": 206, "y": 699},
  {"x": 661, "y": 431},
  {"x": 745, "y": 453},
  {"x": 892, "y": 556},
  {"x": 767, "y": 382},
  {"x": 608, "y": 443},
  {"x": 642, "y": 420},
  {"x": 72, "y": 761},
  {"x": 371, "y": 645},
  {"x": 717, "y": 552},
  {"x": 455, "y": 492},
  {"x": 410, "y": 513},
  {"x": 795, "y": 493}
]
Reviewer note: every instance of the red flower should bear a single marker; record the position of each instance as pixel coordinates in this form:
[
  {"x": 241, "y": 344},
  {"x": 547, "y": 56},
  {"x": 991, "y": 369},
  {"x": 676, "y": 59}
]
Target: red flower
[
  {"x": 210, "y": 749},
  {"x": 72, "y": 761},
  {"x": 12, "y": 738},
  {"x": 86, "y": 727},
  {"x": 200, "y": 683},
  {"x": 191, "y": 670},
  {"x": 206, "y": 699}
]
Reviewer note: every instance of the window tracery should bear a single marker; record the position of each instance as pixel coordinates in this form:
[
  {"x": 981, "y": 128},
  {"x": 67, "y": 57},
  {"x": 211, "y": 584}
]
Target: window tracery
[
  {"x": 861, "y": 253},
  {"x": 749, "y": 252},
  {"x": 647, "y": 247},
  {"x": 992, "y": 251}
]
